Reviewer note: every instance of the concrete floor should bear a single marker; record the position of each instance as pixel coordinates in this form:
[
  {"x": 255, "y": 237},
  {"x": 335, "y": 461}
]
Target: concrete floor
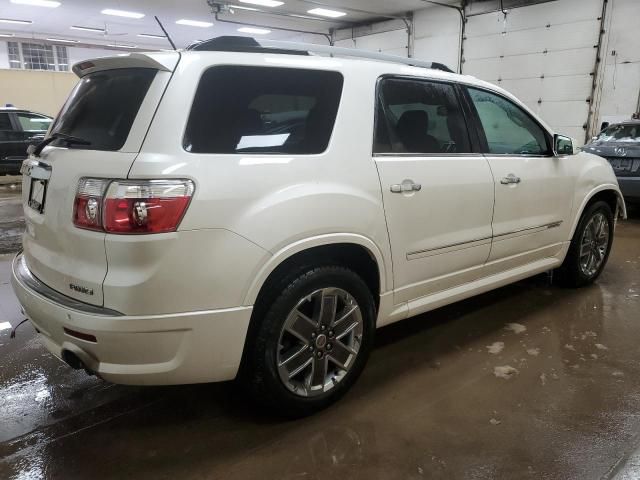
[{"x": 429, "y": 404}]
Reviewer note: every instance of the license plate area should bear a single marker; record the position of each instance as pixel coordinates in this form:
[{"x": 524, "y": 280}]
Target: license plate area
[
  {"x": 37, "y": 194},
  {"x": 37, "y": 175}
]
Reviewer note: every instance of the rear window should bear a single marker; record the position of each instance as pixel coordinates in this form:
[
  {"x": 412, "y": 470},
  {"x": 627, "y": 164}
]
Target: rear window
[
  {"x": 103, "y": 106},
  {"x": 240, "y": 109}
]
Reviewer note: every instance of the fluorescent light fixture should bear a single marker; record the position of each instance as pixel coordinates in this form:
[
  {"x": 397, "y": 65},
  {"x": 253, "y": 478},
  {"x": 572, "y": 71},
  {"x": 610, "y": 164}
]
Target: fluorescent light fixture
[
  {"x": 17, "y": 22},
  {"x": 194, "y": 23},
  {"x": 325, "y": 12},
  {"x": 121, "y": 13},
  {"x": 37, "y": 3},
  {"x": 263, "y": 3},
  {"x": 114, "y": 45},
  {"x": 255, "y": 31},
  {"x": 240, "y": 7},
  {"x": 87, "y": 29},
  {"x": 6, "y": 35},
  {"x": 149, "y": 35},
  {"x": 63, "y": 40}
]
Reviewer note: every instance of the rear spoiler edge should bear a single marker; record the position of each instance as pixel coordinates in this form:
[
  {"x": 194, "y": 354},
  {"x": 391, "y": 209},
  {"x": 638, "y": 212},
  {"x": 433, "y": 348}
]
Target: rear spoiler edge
[{"x": 164, "y": 61}]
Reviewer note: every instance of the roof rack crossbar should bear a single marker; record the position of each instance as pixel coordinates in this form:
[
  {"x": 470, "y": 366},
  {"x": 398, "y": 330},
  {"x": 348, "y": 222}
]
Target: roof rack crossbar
[{"x": 237, "y": 44}]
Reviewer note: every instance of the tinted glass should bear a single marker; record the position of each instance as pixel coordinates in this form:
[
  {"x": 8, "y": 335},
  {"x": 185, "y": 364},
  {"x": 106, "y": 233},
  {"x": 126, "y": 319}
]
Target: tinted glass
[
  {"x": 103, "y": 106},
  {"x": 419, "y": 117},
  {"x": 5, "y": 122},
  {"x": 508, "y": 128},
  {"x": 33, "y": 123},
  {"x": 263, "y": 110},
  {"x": 621, "y": 133}
]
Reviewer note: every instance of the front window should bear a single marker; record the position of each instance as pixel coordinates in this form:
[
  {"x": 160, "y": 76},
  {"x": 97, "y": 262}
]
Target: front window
[
  {"x": 507, "y": 127},
  {"x": 102, "y": 107},
  {"x": 240, "y": 109},
  {"x": 620, "y": 133}
]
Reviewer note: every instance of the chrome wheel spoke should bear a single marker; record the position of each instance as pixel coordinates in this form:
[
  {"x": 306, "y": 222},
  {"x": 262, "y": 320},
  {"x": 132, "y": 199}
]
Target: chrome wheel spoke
[
  {"x": 345, "y": 314},
  {"x": 297, "y": 361},
  {"x": 326, "y": 309},
  {"x": 340, "y": 355},
  {"x": 344, "y": 328},
  {"x": 318, "y": 373},
  {"x": 302, "y": 327}
]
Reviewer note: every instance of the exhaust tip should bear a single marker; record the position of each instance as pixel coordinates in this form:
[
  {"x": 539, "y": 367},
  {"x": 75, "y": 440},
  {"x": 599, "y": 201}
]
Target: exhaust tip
[{"x": 72, "y": 360}]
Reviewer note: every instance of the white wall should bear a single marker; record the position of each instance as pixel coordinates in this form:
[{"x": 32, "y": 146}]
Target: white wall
[{"x": 619, "y": 75}]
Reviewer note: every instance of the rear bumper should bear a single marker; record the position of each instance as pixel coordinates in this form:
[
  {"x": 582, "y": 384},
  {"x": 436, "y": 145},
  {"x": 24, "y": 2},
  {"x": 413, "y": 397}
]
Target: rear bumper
[
  {"x": 630, "y": 187},
  {"x": 193, "y": 347}
]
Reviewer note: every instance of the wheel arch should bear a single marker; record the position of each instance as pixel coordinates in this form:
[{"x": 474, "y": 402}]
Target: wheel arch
[
  {"x": 609, "y": 193},
  {"x": 353, "y": 250}
]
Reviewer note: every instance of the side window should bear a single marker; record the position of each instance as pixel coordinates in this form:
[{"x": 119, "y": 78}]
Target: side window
[
  {"x": 415, "y": 116},
  {"x": 33, "y": 123},
  {"x": 240, "y": 109},
  {"x": 5, "y": 122},
  {"x": 508, "y": 128}
]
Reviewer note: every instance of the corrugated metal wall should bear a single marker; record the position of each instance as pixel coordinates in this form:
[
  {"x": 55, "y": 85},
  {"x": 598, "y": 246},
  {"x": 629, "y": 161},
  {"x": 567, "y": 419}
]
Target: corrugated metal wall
[{"x": 544, "y": 54}]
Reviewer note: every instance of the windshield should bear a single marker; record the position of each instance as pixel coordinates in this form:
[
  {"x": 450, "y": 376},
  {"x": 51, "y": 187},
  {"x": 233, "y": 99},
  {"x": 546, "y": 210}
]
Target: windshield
[
  {"x": 103, "y": 106},
  {"x": 620, "y": 133}
]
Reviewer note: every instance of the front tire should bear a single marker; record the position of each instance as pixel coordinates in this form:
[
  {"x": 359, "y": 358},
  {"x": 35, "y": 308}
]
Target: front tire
[
  {"x": 590, "y": 247},
  {"x": 313, "y": 341}
]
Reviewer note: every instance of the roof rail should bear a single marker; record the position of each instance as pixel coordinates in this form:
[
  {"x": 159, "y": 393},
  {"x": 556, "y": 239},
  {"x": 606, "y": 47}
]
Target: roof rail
[{"x": 247, "y": 44}]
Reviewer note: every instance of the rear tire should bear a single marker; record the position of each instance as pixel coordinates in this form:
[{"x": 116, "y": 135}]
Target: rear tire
[
  {"x": 312, "y": 342},
  {"x": 590, "y": 247}
]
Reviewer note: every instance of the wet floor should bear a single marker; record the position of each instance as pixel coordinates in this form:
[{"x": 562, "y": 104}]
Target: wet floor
[{"x": 529, "y": 381}]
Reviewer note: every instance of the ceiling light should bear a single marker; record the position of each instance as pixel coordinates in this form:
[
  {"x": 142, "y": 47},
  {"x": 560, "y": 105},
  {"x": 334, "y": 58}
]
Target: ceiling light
[
  {"x": 263, "y": 3},
  {"x": 19, "y": 22},
  {"x": 87, "y": 29},
  {"x": 240, "y": 7},
  {"x": 149, "y": 35},
  {"x": 6, "y": 35},
  {"x": 37, "y": 3},
  {"x": 121, "y": 45},
  {"x": 121, "y": 13},
  {"x": 194, "y": 23},
  {"x": 255, "y": 31},
  {"x": 64, "y": 40},
  {"x": 324, "y": 12}
]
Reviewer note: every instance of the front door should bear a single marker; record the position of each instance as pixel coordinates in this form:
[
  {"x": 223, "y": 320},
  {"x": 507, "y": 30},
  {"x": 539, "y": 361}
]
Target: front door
[
  {"x": 438, "y": 195},
  {"x": 533, "y": 188}
]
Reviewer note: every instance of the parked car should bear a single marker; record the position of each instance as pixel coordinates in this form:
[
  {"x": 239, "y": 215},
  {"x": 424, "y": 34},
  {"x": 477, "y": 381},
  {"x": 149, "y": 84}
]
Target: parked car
[
  {"x": 18, "y": 130},
  {"x": 620, "y": 145},
  {"x": 187, "y": 223}
]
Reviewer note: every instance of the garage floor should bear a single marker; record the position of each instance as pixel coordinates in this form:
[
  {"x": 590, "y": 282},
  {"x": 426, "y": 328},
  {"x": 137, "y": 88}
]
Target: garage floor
[{"x": 430, "y": 404}]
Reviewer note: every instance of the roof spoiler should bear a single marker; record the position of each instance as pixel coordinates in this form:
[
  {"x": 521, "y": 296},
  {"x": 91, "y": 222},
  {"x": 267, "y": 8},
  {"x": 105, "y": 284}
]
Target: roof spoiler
[
  {"x": 251, "y": 45},
  {"x": 165, "y": 61}
]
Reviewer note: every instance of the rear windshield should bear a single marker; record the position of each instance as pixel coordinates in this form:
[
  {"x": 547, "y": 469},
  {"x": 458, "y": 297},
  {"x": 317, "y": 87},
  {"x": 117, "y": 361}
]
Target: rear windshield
[
  {"x": 102, "y": 107},
  {"x": 240, "y": 109}
]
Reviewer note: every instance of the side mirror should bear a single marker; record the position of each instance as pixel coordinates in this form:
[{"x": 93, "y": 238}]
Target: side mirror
[{"x": 563, "y": 145}]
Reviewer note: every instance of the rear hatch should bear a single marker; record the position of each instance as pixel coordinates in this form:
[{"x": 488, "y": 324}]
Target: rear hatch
[{"x": 111, "y": 109}]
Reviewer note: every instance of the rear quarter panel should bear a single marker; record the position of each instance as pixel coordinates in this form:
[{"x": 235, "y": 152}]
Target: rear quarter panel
[{"x": 273, "y": 201}]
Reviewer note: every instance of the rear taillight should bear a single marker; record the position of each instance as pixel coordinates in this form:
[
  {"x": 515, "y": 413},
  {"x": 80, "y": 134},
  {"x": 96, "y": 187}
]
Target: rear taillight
[{"x": 131, "y": 206}]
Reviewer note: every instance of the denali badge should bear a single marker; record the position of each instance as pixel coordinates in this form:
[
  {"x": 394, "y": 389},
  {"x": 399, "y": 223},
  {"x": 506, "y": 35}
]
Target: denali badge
[{"x": 78, "y": 288}]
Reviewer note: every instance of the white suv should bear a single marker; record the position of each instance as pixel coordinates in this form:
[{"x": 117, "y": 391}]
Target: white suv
[{"x": 256, "y": 211}]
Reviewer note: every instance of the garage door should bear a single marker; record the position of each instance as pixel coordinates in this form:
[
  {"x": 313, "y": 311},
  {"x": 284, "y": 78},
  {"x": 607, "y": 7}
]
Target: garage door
[{"x": 544, "y": 54}]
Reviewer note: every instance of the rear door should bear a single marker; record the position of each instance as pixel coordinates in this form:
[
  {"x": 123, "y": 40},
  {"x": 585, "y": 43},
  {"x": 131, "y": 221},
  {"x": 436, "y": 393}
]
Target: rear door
[
  {"x": 111, "y": 107},
  {"x": 533, "y": 188},
  {"x": 437, "y": 193},
  {"x": 11, "y": 144}
]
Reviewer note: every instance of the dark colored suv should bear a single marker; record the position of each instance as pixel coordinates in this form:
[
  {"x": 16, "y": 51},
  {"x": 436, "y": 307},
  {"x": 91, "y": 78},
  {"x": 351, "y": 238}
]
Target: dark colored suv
[
  {"x": 620, "y": 145},
  {"x": 18, "y": 130}
]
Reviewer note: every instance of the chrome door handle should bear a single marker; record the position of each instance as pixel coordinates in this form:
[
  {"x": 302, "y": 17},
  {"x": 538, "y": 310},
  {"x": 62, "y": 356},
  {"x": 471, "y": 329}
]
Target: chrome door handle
[
  {"x": 509, "y": 179},
  {"x": 406, "y": 186}
]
